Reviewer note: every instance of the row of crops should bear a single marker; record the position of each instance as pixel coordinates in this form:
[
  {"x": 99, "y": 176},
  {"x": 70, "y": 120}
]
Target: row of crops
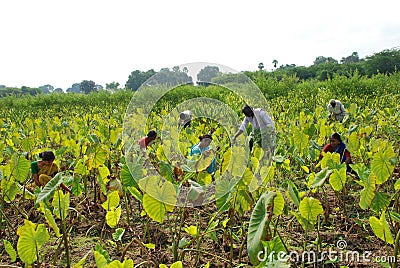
[{"x": 121, "y": 214}]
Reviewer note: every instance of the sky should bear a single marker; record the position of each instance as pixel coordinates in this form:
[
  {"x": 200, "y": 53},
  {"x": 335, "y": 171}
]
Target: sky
[{"x": 60, "y": 42}]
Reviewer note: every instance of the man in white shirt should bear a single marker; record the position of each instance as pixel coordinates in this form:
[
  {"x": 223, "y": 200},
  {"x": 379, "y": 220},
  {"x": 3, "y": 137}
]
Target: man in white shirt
[
  {"x": 336, "y": 110},
  {"x": 259, "y": 121}
]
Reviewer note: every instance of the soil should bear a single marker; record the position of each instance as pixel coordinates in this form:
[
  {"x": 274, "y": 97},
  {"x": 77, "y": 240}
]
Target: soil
[{"x": 87, "y": 228}]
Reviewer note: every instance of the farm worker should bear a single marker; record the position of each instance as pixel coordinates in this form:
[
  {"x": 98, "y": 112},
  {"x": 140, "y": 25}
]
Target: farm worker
[
  {"x": 259, "y": 121},
  {"x": 207, "y": 161},
  {"x": 336, "y": 110},
  {"x": 44, "y": 170},
  {"x": 148, "y": 140},
  {"x": 336, "y": 145},
  {"x": 185, "y": 118}
]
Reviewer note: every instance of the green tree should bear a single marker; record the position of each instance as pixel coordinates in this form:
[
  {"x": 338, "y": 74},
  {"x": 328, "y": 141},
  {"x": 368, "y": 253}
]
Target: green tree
[
  {"x": 350, "y": 59},
  {"x": 275, "y": 63},
  {"x": 386, "y": 61},
  {"x": 261, "y": 66},
  {"x": 47, "y": 89},
  {"x": 137, "y": 78},
  {"x": 112, "y": 86},
  {"x": 207, "y": 73},
  {"x": 58, "y": 90},
  {"x": 75, "y": 88},
  {"x": 322, "y": 59},
  {"x": 88, "y": 86},
  {"x": 172, "y": 78}
]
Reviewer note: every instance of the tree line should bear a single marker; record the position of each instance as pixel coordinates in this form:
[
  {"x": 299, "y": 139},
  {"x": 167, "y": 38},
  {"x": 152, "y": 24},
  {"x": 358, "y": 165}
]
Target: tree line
[{"x": 323, "y": 68}]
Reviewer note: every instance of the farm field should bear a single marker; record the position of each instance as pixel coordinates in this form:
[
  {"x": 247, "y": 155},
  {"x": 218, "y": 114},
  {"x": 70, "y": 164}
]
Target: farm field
[{"x": 119, "y": 214}]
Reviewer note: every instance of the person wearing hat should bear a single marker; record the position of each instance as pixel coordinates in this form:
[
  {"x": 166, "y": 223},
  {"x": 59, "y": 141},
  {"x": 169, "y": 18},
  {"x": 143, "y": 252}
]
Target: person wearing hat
[
  {"x": 185, "y": 118},
  {"x": 336, "y": 110}
]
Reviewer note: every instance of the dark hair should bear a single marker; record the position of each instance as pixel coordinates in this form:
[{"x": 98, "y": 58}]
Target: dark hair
[
  {"x": 336, "y": 136},
  {"x": 247, "y": 110},
  {"x": 152, "y": 133},
  {"x": 205, "y": 136},
  {"x": 47, "y": 156}
]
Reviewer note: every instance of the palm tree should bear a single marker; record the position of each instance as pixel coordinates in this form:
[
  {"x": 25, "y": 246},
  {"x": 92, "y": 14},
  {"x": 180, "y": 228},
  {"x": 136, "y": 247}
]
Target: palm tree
[{"x": 275, "y": 63}]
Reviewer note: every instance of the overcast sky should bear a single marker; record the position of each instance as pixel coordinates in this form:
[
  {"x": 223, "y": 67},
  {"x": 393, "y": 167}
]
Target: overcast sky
[{"x": 64, "y": 42}]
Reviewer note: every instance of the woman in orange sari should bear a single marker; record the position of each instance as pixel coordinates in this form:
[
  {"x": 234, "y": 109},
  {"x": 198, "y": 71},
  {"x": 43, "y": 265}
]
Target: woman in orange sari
[{"x": 44, "y": 170}]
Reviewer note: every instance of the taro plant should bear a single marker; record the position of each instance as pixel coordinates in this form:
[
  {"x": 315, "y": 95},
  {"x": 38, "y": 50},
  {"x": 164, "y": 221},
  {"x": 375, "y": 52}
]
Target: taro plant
[
  {"x": 264, "y": 242},
  {"x": 31, "y": 238},
  {"x": 61, "y": 205}
]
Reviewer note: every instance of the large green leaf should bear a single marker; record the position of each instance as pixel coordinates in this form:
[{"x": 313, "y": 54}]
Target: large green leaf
[
  {"x": 204, "y": 178},
  {"x": 205, "y": 160},
  {"x": 49, "y": 218},
  {"x": 353, "y": 143},
  {"x": 160, "y": 197},
  {"x": 131, "y": 175},
  {"x": 293, "y": 193},
  {"x": 330, "y": 160},
  {"x": 113, "y": 216},
  {"x": 380, "y": 202},
  {"x": 367, "y": 194},
  {"x": 279, "y": 203},
  {"x": 100, "y": 259},
  {"x": 310, "y": 208},
  {"x": 259, "y": 220},
  {"x": 104, "y": 172},
  {"x": 49, "y": 189},
  {"x": 267, "y": 174},
  {"x": 9, "y": 189},
  {"x": 167, "y": 171},
  {"x": 31, "y": 238},
  {"x": 300, "y": 139},
  {"x": 338, "y": 178},
  {"x": 162, "y": 191},
  {"x": 381, "y": 228},
  {"x": 243, "y": 201},
  {"x": 10, "y": 250},
  {"x": 321, "y": 177},
  {"x": 112, "y": 201},
  {"x": 381, "y": 165},
  {"x": 154, "y": 208},
  {"x": 361, "y": 170},
  {"x": 81, "y": 168},
  {"x": 135, "y": 193},
  {"x": 223, "y": 190},
  {"x": 20, "y": 166},
  {"x": 97, "y": 157},
  {"x": 60, "y": 204},
  {"x": 235, "y": 161}
]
